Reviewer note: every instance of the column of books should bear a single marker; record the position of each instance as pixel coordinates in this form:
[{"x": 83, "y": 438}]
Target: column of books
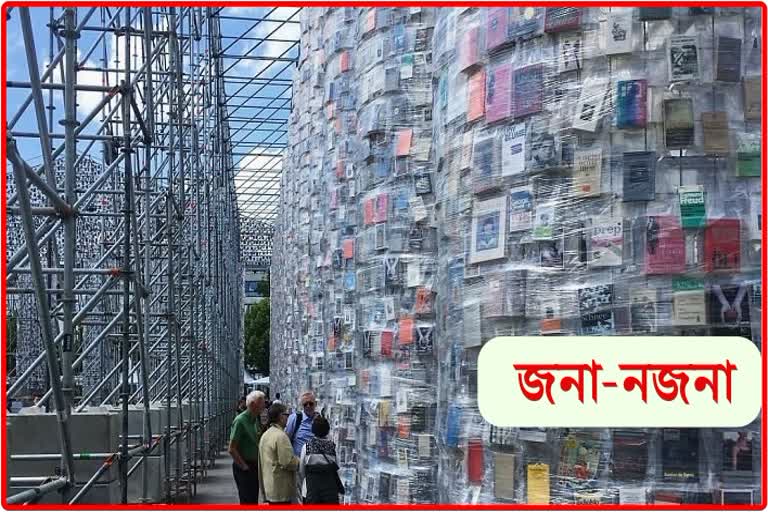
[
  {"x": 396, "y": 247},
  {"x": 338, "y": 290},
  {"x": 597, "y": 173}
]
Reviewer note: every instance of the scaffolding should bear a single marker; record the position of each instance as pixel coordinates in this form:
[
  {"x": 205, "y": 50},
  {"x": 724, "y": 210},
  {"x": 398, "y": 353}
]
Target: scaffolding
[{"x": 124, "y": 256}]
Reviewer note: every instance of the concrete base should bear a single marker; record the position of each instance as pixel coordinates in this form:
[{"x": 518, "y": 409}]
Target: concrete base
[{"x": 90, "y": 433}]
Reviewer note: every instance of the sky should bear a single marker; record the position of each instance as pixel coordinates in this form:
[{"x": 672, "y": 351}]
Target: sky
[{"x": 111, "y": 47}]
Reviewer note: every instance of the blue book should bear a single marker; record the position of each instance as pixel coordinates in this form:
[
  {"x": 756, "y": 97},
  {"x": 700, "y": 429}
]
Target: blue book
[{"x": 631, "y": 108}]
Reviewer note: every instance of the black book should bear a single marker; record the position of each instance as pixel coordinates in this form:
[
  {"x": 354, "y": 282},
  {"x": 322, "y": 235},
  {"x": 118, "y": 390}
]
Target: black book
[
  {"x": 630, "y": 455},
  {"x": 680, "y": 455},
  {"x": 655, "y": 13},
  {"x": 728, "y": 59},
  {"x": 678, "y": 123},
  {"x": 728, "y": 310},
  {"x": 385, "y": 483},
  {"x": 639, "y": 176}
]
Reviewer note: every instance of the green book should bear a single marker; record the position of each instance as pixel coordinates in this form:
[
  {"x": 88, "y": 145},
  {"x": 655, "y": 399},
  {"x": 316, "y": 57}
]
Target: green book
[
  {"x": 692, "y": 207},
  {"x": 748, "y": 155}
]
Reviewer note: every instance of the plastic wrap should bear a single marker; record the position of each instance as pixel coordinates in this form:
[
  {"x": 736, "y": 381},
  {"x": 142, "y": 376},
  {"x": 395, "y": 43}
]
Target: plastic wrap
[{"x": 460, "y": 174}]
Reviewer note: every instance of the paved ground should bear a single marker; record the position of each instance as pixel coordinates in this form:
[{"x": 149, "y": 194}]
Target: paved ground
[{"x": 219, "y": 485}]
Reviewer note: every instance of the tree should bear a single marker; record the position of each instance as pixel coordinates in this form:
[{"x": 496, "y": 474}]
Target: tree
[{"x": 257, "y": 333}]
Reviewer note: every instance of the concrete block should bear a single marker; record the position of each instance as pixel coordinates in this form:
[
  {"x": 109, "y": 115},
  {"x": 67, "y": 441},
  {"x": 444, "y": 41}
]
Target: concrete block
[{"x": 90, "y": 433}]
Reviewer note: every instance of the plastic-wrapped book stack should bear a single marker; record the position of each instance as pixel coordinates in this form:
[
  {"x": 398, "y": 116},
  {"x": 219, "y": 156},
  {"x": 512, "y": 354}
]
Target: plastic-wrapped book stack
[
  {"x": 459, "y": 174},
  {"x": 396, "y": 249},
  {"x": 597, "y": 176},
  {"x": 98, "y": 234}
]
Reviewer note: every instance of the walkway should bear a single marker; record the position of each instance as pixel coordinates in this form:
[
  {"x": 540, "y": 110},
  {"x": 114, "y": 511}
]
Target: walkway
[{"x": 219, "y": 485}]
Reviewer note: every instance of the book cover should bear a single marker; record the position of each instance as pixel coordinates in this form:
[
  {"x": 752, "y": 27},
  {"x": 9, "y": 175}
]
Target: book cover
[
  {"x": 755, "y": 222},
  {"x": 678, "y": 123},
  {"x": 639, "y": 176},
  {"x": 590, "y": 105},
  {"x": 528, "y": 90},
  {"x": 382, "y": 207},
  {"x": 728, "y": 59},
  {"x": 680, "y": 455},
  {"x": 633, "y": 496},
  {"x": 504, "y": 475},
  {"x": 392, "y": 79},
  {"x": 561, "y": 19},
  {"x": 497, "y": 27},
  {"x": 469, "y": 51},
  {"x": 597, "y": 323},
  {"x": 737, "y": 496},
  {"x": 748, "y": 154},
  {"x": 472, "y": 326},
  {"x": 692, "y": 206},
  {"x": 498, "y": 99},
  {"x": 537, "y": 484},
  {"x": 722, "y": 245},
  {"x": 489, "y": 230},
  {"x": 476, "y": 101},
  {"x": 618, "y": 32},
  {"x": 551, "y": 253},
  {"x": 587, "y": 171},
  {"x": 643, "y": 310},
  {"x": 655, "y": 13},
  {"x": 688, "y": 302},
  {"x": 368, "y": 211},
  {"x": 664, "y": 245},
  {"x": 513, "y": 150},
  {"x": 580, "y": 456},
  {"x": 422, "y": 183},
  {"x": 550, "y": 313},
  {"x": 526, "y": 22},
  {"x": 570, "y": 52},
  {"x": 716, "y": 133},
  {"x": 738, "y": 454},
  {"x": 485, "y": 168},
  {"x": 683, "y": 58},
  {"x": 728, "y": 309},
  {"x": 606, "y": 242},
  {"x": 544, "y": 221},
  {"x": 520, "y": 209},
  {"x": 630, "y": 457},
  {"x": 631, "y": 106},
  {"x": 594, "y": 298},
  {"x": 403, "y": 142},
  {"x": 543, "y": 152},
  {"x": 752, "y": 99}
]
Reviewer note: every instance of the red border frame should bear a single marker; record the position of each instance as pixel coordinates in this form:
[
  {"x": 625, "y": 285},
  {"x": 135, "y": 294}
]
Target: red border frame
[{"x": 762, "y": 504}]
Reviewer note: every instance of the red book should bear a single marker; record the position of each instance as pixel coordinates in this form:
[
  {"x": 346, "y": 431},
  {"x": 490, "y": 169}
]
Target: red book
[
  {"x": 387, "y": 338},
  {"x": 498, "y": 95},
  {"x": 382, "y": 207},
  {"x": 405, "y": 330},
  {"x": 368, "y": 212},
  {"x": 722, "y": 245},
  {"x": 664, "y": 245},
  {"x": 469, "y": 51},
  {"x": 476, "y": 104},
  {"x": 497, "y": 27},
  {"x": 475, "y": 464}
]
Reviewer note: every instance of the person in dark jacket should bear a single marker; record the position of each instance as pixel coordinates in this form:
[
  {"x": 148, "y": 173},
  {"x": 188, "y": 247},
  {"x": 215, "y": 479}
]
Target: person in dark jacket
[{"x": 317, "y": 467}]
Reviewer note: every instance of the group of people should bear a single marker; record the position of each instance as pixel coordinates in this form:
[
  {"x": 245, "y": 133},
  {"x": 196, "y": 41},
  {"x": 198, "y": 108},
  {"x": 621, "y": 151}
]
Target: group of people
[{"x": 287, "y": 459}]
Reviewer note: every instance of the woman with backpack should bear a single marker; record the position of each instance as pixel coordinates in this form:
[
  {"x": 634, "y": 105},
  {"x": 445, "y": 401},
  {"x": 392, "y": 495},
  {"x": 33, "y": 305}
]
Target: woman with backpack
[{"x": 318, "y": 470}]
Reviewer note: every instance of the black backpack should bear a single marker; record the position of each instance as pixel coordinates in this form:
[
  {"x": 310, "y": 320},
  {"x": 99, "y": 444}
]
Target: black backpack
[{"x": 296, "y": 426}]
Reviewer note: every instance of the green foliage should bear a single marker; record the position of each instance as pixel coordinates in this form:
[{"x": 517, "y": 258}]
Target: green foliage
[{"x": 257, "y": 333}]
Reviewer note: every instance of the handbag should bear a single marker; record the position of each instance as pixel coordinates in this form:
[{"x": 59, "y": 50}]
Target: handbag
[{"x": 339, "y": 484}]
